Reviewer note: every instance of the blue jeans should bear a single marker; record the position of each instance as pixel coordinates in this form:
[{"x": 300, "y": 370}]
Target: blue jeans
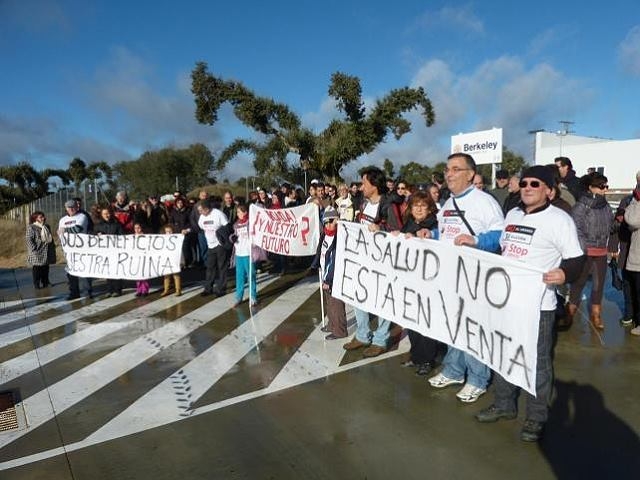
[
  {"x": 364, "y": 334},
  {"x": 242, "y": 274},
  {"x": 537, "y": 407},
  {"x": 456, "y": 363},
  {"x": 203, "y": 248}
]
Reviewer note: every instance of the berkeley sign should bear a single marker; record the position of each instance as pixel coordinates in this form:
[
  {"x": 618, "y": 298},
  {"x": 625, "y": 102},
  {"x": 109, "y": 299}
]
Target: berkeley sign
[
  {"x": 485, "y": 146},
  {"x": 484, "y": 304}
]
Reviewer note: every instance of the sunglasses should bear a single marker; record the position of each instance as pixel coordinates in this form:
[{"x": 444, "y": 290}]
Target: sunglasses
[
  {"x": 532, "y": 184},
  {"x": 602, "y": 187}
]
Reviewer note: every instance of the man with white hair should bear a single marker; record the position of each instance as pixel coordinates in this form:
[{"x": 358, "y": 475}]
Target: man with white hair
[{"x": 470, "y": 217}]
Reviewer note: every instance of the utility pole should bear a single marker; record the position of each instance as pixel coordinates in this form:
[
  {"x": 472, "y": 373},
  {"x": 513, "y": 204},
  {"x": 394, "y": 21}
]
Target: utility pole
[{"x": 565, "y": 131}]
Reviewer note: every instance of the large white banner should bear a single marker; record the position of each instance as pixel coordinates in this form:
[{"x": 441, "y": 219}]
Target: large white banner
[
  {"x": 485, "y": 146},
  {"x": 286, "y": 231},
  {"x": 127, "y": 257},
  {"x": 484, "y": 304}
]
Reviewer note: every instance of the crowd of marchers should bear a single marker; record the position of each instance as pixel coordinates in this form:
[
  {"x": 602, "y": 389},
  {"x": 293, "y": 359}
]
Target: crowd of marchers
[{"x": 573, "y": 235}]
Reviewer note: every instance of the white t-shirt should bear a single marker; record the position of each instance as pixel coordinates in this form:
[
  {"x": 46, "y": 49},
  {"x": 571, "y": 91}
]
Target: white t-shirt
[
  {"x": 210, "y": 223},
  {"x": 242, "y": 246},
  {"x": 369, "y": 213},
  {"x": 480, "y": 209},
  {"x": 78, "y": 223},
  {"x": 541, "y": 239}
]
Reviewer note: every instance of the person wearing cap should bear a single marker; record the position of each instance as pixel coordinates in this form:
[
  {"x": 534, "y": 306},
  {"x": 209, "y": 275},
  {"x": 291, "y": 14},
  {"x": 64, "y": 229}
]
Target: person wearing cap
[
  {"x": 469, "y": 217},
  {"x": 74, "y": 222},
  {"x": 544, "y": 236},
  {"x": 325, "y": 261},
  {"x": 500, "y": 191}
]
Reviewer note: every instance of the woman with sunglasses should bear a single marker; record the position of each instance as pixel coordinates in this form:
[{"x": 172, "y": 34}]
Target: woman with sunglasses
[{"x": 594, "y": 220}]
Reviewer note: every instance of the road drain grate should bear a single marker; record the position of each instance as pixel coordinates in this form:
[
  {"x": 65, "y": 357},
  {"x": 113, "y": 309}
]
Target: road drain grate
[{"x": 8, "y": 413}]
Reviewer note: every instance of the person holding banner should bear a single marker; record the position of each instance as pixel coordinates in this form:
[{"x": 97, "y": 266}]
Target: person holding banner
[
  {"x": 74, "y": 222},
  {"x": 109, "y": 225},
  {"x": 211, "y": 219},
  {"x": 242, "y": 252},
  {"x": 421, "y": 222},
  {"x": 325, "y": 260},
  {"x": 541, "y": 235},
  {"x": 470, "y": 217},
  {"x": 378, "y": 212}
]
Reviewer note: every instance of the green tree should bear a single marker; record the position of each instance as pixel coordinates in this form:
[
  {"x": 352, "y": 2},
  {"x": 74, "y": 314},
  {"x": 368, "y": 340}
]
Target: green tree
[
  {"x": 357, "y": 133},
  {"x": 414, "y": 173},
  {"x": 388, "y": 168},
  {"x": 77, "y": 172},
  {"x": 155, "y": 172}
]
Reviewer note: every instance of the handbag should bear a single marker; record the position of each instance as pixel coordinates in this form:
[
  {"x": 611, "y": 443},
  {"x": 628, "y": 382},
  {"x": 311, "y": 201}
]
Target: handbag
[{"x": 616, "y": 278}]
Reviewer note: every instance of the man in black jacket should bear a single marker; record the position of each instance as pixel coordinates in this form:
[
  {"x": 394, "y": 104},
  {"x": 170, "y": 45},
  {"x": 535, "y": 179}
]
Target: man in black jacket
[
  {"x": 379, "y": 212},
  {"x": 568, "y": 176}
]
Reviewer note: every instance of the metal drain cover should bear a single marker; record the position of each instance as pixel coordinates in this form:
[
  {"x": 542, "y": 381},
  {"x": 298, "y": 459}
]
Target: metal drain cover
[{"x": 11, "y": 413}]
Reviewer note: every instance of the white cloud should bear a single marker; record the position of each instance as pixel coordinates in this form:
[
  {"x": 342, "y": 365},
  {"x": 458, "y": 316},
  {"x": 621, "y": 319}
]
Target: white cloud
[
  {"x": 503, "y": 92},
  {"x": 629, "y": 52},
  {"x": 451, "y": 18}
]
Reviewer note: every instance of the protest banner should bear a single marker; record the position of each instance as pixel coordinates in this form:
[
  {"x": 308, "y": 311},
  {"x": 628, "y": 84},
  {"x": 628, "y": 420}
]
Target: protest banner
[
  {"x": 287, "y": 231},
  {"x": 484, "y": 304},
  {"x": 127, "y": 257}
]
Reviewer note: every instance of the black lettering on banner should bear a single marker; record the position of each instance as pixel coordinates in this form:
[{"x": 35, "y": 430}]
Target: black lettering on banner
[
  {"x": 520, "y": 360},
  {"x": 158, "y": 242},
  {"x": 377, "y": 236},
  {"x": 469, "y": 323},
  {"x": 502, "y": 339},
  {"x": 171, "y": 243},
  {"x": 484, "y": 341},
  {"x": 414, "y": 265},
  {"x": 347, "y": 236},
  {"x": 425, "y": 260},
  {"x": 388, "y": 296},
  {"x": 446, "y": 317},
  {"x": 507, "y": 284},
  {"x": 92, "y": 241},
  {"x": 122, "y": 257},
  {"x": 346, "y": 277},
  {"x": 419, "y": 310},
  {"x": 362, "y": 241},
  {"x": 473, "y": 291},
  {"x": 364, "y": 287},
  {"x": 378, "y": 275}
]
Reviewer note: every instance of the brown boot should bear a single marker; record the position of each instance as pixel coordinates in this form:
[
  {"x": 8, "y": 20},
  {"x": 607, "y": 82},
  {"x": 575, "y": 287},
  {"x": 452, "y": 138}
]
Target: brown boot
[
  {"x": 178, "y": 281},
  {"x": 596, "y": 310},
  {"x": 167, "y": 286},
  {"x": 566, "y": 322}
]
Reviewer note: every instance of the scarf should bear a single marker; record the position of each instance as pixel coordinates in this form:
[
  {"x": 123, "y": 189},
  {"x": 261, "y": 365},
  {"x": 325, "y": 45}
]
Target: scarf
[{"x": 45, "y": 234}]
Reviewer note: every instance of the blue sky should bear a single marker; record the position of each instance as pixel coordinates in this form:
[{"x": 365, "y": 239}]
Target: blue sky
[{"x": 107, "y": 80}]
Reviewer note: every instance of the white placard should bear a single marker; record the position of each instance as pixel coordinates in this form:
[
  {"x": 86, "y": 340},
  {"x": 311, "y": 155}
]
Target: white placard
[
  {"x": 286, "y": 231},
  {"x": 127, "y": 257},
  {"x": 482, "y": 303}
]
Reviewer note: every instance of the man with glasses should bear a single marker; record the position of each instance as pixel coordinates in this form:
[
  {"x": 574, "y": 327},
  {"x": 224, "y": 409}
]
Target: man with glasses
[
  {"x": 473, "y": 218},
  {"x": 552, "y": 244}
]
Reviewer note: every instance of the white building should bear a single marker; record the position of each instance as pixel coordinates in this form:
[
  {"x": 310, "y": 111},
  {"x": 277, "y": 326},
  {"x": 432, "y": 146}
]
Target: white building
[{"x": 618, "y": 160}]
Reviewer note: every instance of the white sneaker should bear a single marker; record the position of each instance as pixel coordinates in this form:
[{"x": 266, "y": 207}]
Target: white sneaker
[
  {"x": 440, "y": 381},
  {"x": 635, "y": 330},
  {"x": 469, "y": 393}
]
